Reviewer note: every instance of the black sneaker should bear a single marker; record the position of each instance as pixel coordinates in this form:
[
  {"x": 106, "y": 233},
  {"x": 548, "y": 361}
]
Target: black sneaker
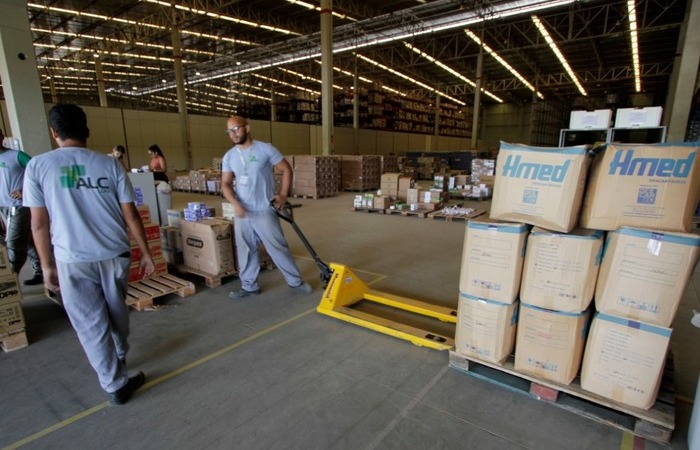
[
  {"x": 36, "y": 279},
  {"x": 243, "y": 293},
  {"x": 123, "y": 394}
]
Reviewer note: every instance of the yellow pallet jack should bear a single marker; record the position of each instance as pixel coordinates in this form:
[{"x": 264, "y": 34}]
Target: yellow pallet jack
[{"x": 344, "y": 293}]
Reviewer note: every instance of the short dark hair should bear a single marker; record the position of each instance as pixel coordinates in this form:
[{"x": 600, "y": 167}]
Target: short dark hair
[
  {"x": 121, "y": 148},
  {"x": 69, "y": 121}
]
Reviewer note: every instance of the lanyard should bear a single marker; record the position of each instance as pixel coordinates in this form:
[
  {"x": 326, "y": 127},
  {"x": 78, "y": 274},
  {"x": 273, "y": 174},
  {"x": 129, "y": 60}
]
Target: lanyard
[{"x": 245, "y": 165}]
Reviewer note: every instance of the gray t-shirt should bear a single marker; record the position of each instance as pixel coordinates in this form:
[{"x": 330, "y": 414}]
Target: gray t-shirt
[
  {"x": 12, "y": 164},
  {"x": 82, "y": 191},
  {"x": 255, "y": 181}
]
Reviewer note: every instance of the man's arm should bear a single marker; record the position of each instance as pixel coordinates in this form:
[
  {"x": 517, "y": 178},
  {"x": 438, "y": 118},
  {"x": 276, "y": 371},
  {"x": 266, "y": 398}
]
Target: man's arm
[
  {"x": 230, "y": 195},
  {"x": 42, "y": 241},
  {"x": 133, "y": 221},
  {"x": 287, "y": 175}
]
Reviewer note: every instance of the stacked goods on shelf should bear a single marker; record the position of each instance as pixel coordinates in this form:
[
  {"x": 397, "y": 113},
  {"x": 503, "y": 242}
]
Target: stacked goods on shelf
[
  {"x": 489, "y": 282},
  {"x": 389, "y": 164},
  {"x": 557, "y": 284},
  {"x": 482, "y": 174},
  {"x": 359, "y": 172},
  {"x": 12, "y": 324},
  {"x": 216, "y": 163},
  {"x": 155, "y": 245},
  {"x": 540, "y": 186},
  {"x": 316, "y": 176}
]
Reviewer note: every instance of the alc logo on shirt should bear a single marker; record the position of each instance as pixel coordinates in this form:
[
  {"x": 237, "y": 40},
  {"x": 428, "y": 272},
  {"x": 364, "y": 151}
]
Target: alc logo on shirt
[{"x": 73, "y": 177}]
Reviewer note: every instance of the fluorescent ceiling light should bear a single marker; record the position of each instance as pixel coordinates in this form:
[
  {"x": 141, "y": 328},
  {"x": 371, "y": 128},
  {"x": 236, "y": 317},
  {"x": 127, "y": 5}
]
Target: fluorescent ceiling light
[
  {"x": 503, "y": 62},
  {"x": 306, "y": 77},
  {"x": 559, "y": 55},
  {"x": 407, "y": 78},
  {"x": 452, "y": 71},
  {"x": 284, "y": 83},
  {"x": 631, "y": 11},
  {"x": 318, "y": 8}
]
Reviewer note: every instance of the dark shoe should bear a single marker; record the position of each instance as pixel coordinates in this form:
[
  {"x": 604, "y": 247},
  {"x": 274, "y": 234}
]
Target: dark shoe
[
  {"x": 123, "y": 394},
  {"x": 36, "y": 279},
  {"x": 243, "y": 293},
  {"x": 304, "y": 288}
]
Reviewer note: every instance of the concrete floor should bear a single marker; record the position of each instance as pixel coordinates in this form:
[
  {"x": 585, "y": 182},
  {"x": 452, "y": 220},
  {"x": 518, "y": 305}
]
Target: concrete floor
[{"x": 270, "y": 373}]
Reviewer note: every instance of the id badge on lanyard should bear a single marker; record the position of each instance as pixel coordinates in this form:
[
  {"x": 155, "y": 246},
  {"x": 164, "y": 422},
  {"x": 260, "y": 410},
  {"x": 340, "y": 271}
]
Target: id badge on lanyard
[{"x": 243, "y": 180}]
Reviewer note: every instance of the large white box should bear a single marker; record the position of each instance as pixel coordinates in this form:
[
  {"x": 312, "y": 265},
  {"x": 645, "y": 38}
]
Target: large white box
[
  {"x": 541, "y": 186},
  {"x": 485, "y": 329},
  {"x": 638, "y": 117},
  {"x": 549, "y": 344},
  {"x": 492, "y": 259},
  {"x": 588, "y": 120},
  {"x": 208, "y": 245},
  {"x": 624, "y": 360},
  {"x": 644, "y": 273},
  {"x": 560, "y": 269},
  {"x": 655, "y": 186}
]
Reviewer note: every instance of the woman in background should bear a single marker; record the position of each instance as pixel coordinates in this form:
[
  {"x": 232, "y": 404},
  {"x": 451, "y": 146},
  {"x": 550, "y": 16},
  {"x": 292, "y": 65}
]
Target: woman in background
[
  {"x": 118, "y": 152},
  {"x": 158, "y": 165}
]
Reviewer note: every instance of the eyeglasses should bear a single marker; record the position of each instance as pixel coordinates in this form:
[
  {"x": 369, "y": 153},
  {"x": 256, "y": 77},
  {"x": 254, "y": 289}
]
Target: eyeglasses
[{"x": 234, "y": 129}]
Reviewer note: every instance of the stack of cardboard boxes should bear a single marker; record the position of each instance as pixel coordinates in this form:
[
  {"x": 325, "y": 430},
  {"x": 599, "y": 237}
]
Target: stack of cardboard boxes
[
  {"x": 155, "y": 245},
  {"x": 315, "y": 176},
  {"x": 359, "y": 172},
  {"x": 12, "y": 325},
  {"x": 644, "y": 197}
]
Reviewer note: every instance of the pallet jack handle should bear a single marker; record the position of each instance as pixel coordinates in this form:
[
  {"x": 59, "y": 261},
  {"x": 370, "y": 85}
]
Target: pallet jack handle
[{"x": 285, "y": 213}]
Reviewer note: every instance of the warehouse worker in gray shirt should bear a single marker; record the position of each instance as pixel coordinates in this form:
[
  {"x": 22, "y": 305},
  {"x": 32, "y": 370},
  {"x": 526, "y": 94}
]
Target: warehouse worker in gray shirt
[
  {"x": 255, "y": 221},
  {"x": 82, "y": 202},
  {"x": 18, "y": 235}
]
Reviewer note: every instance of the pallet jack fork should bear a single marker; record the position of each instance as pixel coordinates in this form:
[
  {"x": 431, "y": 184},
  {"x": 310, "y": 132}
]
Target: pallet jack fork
[{"x": 343, "y": 289}]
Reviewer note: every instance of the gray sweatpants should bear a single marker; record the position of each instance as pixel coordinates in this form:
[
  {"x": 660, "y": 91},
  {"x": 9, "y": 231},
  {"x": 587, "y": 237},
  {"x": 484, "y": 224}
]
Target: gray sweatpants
[
  {"x": 250, "y": 231},
  {"x": 94, "y": 296}
]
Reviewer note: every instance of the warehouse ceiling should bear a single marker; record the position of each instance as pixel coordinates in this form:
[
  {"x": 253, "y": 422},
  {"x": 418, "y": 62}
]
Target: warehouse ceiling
[{"x": 241, "y": 51}]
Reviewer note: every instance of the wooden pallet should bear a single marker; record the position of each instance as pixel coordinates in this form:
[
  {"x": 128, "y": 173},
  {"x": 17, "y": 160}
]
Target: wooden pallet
[
  {"x": 14, "y": 340},
  {"x": 439, "y": 215},
  {"x": 422, "y": 213},
  {"x": 655, "y": 424},
  {"x": 141, "y": 294},
  {"x": 211, "y": 280},
  {"x": 371, "y": 210}
]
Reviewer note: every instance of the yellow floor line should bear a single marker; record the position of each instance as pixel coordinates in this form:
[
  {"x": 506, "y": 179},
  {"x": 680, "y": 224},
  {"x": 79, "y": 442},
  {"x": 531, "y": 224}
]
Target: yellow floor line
[{"x": 162, "y": 378}]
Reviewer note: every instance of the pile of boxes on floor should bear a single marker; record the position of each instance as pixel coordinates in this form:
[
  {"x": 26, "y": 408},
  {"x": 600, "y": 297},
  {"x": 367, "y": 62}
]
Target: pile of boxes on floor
[
  {"x": 155, "y": 245},
  {"x": 197, "y": 239},
  {"x": 536, "y": 290}
]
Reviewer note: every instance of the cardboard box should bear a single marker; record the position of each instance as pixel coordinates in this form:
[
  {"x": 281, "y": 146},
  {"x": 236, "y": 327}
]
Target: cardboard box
[
  {"x": 5, "y": 267},
  {"x": 560, "y": 270},
  {"x": 161, "y": 268},
  {"x": 492, "y": 259},
  {"x": 644, "y": 273},
  {"x": 587, "y": 120},
  {"x": 9, "y": 288},
  {"x": 485, "y": 329},
  {"x": 638, "y": 117},
  {"x": 175, "y": 216},
  {"x": 381, "y": 202},
  {"x": 405, "y": 183},
  {"x": 171, "y": 237},
  {"x": 624, "y": 360},
  {"x": 550, "y": 343},
  {"x": 655, "y": 186},
  {"x": 208, "y": 245},
  {"x": 540, "y": 186},
  {"x": 11, "y": 316},
  {"x": 144, "y": 213}
]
